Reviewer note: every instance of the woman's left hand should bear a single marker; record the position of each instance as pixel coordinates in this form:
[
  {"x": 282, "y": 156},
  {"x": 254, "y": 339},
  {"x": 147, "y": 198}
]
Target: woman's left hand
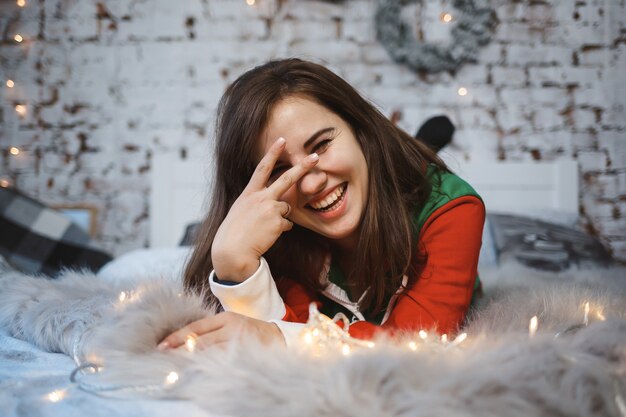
[{"x": 221, "y": 329}]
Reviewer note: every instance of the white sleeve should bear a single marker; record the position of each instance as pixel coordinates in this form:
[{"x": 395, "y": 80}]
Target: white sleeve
[
  {"x": 256, "y": 297},
  {"x": 291, "y": 331}
]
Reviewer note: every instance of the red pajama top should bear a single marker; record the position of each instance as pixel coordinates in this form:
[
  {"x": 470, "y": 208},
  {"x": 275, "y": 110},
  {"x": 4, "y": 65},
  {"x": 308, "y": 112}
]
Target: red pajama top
[{"x": 450, "y": 228}]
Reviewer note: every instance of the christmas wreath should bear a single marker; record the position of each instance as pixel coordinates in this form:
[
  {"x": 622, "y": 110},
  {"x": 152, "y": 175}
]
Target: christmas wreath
[{"x": 474, "y": 29}]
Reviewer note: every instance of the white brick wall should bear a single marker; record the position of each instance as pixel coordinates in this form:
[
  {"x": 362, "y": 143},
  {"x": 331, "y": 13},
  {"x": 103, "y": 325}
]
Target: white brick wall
[{"x": 109, "y": 83}]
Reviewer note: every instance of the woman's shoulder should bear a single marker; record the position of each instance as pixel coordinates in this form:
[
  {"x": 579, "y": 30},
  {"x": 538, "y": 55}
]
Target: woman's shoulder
[
  {"x": 447, "y": 185},
  {"x": 446, "y": 188}
]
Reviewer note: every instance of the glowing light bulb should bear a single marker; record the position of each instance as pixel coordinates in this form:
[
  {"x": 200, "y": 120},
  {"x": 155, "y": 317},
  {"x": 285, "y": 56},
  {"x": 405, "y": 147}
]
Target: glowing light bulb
[
  {"x": 135, "y": 294},
  {"x": 345, "y": 349},
  {"x": 413, "y": 346},
  {"x": 586, "y": 317},
  {"x": 444, "y": 338},
  {"x": 459, "y": 339},
  {"x": 250, "y": 2},
  {"x": 21, "y": 109},
  {"x": 18, "y": 38},
  {"x": 94, "y": 359},
  {"x": 308, "y": 338},
  {"x": 191, "y": 342},
  {"x": 171, "y": 378},
  {"x": 533, "y": 325},
  {"x": 446, "y": 17},
  {"x": 21, "y": 3},
  {"x": 423, "y": 335},
  {"x": 14, "y": 151},
  {"x": 10, "y": 83},
  {"x": 4, "y": 183},
  {"x": 462, "y": 91},
  {"x": 56, "y": 396}
]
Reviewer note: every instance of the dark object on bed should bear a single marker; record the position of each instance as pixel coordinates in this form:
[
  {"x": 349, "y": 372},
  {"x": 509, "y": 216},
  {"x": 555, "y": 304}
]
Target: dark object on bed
[
  {"x": 5, "y": 266},
  {"x": 436, "y": 132},
  {"x": 190, "y": 234},
  {"x": 543, "y": 245},
  {"x": 37, "y": 239}
]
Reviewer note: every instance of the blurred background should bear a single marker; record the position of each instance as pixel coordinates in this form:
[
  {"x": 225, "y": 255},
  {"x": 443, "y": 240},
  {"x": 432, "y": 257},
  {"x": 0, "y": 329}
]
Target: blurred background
[{"x": 92, "y": 90}]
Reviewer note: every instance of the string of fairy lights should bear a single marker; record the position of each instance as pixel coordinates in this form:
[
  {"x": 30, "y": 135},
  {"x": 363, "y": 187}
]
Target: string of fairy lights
[
  {"x": 21, "y": 109},
  {"x": 446, "y": 17},
  {"x": 320, "y": 337}
]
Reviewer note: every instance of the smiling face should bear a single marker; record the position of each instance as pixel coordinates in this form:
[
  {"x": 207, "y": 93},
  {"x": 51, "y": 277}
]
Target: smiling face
[{"x": 331, "y": 198}]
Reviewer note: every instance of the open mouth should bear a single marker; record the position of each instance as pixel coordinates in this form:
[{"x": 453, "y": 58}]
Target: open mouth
[{"x": 332, "y": 201}]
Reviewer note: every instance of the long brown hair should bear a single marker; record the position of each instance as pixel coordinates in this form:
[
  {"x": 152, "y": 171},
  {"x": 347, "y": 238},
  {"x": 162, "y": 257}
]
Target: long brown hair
[{"x": 398, "y": 185}]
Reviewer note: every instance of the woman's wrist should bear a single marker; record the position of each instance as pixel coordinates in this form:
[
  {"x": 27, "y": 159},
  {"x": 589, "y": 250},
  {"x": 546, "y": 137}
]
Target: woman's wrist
[
  {"x": 235, "y": 271},
  {"x": 256, "y": 297},
  {"x": 274, "y": 334}
]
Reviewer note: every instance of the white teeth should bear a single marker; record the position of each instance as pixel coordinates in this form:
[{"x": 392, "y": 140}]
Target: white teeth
[{"x": 330, "y": 199}]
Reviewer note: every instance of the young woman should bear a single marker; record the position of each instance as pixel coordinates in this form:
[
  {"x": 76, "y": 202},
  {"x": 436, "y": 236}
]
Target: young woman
[{"x": 319, "y": 198}]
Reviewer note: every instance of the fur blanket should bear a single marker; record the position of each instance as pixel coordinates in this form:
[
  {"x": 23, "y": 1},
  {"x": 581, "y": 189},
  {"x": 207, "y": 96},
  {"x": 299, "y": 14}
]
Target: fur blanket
[{"x": 569, "y": 367}]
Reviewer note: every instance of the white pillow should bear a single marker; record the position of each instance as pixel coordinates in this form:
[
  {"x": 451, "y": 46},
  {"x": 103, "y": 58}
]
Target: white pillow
[{"x": 146, "y": 264}]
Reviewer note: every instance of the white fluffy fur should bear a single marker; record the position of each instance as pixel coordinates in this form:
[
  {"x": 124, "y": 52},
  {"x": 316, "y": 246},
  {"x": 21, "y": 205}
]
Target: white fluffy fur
[{"x": 497, "y": 371}]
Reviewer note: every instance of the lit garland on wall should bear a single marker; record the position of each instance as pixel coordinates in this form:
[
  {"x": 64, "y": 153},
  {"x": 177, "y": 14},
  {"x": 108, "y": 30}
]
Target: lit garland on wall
[{"x": 20, "y": 107}]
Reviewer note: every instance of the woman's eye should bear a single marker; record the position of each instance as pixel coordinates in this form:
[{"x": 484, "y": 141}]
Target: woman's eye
[
  {"x": 276, "y": 172},
  {"x": 322, "y": 145}
]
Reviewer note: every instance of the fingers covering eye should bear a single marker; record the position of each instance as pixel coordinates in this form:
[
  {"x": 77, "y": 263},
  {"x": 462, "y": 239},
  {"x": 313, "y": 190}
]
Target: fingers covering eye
[
  {"x": 293, "y": 175},
  {"x": 261, "y": 174}
]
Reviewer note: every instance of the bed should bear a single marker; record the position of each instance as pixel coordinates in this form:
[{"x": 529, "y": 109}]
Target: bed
[
  {"x": 532, "y": 209},
  {"x": 572, "y": 362}
]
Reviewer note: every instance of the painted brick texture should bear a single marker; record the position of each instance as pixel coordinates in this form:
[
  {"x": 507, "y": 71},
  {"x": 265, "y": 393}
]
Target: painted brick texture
[{"x": 107, "y": 84}]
